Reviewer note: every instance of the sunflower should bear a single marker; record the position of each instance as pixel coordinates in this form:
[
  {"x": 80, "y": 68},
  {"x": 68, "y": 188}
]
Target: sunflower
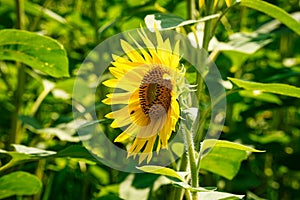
[{"x": 149, "y": 81}]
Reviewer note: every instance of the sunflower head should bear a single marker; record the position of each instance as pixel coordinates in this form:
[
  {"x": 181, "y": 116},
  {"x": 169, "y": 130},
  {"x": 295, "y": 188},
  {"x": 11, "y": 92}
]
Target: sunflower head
[{"x": 150, "y": 82}]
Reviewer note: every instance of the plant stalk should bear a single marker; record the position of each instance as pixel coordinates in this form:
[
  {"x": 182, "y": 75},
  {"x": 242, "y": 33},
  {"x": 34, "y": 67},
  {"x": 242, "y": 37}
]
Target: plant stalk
[
  {"x": 192, "y": 160},
  {"x": 200, "y": 82},
  {"x": 16, "y": 127}
]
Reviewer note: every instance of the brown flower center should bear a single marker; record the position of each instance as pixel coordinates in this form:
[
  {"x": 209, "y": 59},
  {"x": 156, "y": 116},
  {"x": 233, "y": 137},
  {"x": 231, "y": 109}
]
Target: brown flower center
[{"x": 155, "y": 92}]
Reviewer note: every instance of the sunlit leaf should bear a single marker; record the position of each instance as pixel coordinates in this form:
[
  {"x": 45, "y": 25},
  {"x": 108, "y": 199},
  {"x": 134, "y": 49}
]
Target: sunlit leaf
[
  {"x": 276, "y": 88},
  {"x": 25, "y": 154},
  {"x": 273, "y": 11},
  {"x": 32, "y": 151},
  {"x": 170, "y": 21},
  {"x": 192, "y": 189},
  {"x": 18, "y": 45},
  {"x": 19, "y": 183},
  {"x": 223, "y": 157},
  {"x": 214, "y": 195},
  {"x": 15, "y": 159},
  {"x": 160, "y": 170}
]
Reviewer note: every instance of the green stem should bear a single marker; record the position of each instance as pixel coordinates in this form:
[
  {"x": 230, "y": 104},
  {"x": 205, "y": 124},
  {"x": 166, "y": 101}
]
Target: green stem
[
  {"x": 16, "y": 127},
  {"x": 191, "y": 8},
  {"x": 37, "y": 20},
  {"x": 200, "y": 84},
  {"x": 192, "y": 160},
  {"x": 178, "y": 192},
  {"x": 205, "y": 43}
]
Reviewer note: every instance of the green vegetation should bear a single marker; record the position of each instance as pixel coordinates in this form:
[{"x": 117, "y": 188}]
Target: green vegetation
[{"x": 255, "y": 46}]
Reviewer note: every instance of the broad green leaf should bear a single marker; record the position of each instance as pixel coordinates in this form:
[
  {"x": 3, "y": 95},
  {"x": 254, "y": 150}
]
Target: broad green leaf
[
  {"x": 214, "y": 195},
  {"x": 276, "y": 88},
  {"x": 223, "y": 157},
  {"x": 19, "y": 183},
  {"x": 211, "y": 143},
  {"x": 39, "y": 52},
  {"x": 273, "y": 11},
  {"x": 160, "y": 170},
  {"x": 170, "y": 21}
]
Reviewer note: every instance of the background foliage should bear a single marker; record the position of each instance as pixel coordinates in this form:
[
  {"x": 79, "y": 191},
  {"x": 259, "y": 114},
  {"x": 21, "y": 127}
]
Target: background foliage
[{"x": 266, "y": 52}]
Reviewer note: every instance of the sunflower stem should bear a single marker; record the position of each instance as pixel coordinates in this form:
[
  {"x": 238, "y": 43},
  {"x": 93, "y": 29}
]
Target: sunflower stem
[
  {"x": 192, "y": 159},
  {"x": 200, "y": 84}
]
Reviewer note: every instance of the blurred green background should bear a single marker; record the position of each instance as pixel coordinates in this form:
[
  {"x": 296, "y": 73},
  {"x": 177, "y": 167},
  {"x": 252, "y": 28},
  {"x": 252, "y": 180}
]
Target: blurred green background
[{"x": 269, "y": 122}]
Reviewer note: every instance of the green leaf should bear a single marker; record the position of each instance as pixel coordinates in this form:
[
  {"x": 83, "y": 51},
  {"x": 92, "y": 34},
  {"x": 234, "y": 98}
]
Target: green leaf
[
  {"x": 276, "y": 88},
  {"x": 170, "y": 21},
  {"x": 211, "y": 143},
  {"x": 15, "y": 159},
  {"x": 214, "y": 195},
  {"x": 274, "y": 12},
  {"x": 160, "y": 170},
  {"x": 223, "y": 157},
  {"x": 76, "y": 151},
  {"x": 192, "y": 189},
  {"x": 32, "y": 151},
  {"x": 19, "y": 183},
  {"x": 39, "y": 52},
  {"x": 24, "y": 154},
  {"x": 247, "y": 43}
]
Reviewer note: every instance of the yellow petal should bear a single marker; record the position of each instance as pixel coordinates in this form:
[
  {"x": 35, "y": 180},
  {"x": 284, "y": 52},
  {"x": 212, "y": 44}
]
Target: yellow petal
[
  {"x": 130, "y": 131},
  {"x": 133, "y": 55},
  {"x": 201, "y": 3},
  {"x": 166, "y": 131},
  {"x": 174, "y": 62},
  {"x": 228, "y": 3},
  {"x": 136, "y": 147},
  {"x": 117, "y": 98},
  {"x": 147, "y": 153},
  {"x": 111, "y": 83},
  {"x": 216, "y": 3},
  {"x": 150, "y": 47},
  {"x": 145, "y": 54}
]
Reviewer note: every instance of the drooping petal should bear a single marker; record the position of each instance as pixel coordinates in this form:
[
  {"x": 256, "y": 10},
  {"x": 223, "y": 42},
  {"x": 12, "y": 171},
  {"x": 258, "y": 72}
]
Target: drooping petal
[
  {"x": 147, "y": 153},
  {"x": 130, "y": 131}
]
